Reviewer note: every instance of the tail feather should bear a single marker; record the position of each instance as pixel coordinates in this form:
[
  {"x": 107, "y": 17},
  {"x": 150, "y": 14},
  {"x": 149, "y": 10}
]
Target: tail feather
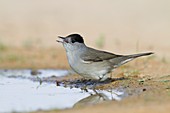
[
  {"x": 125, "y": 59},
  {"x": 139, "y": 55}
]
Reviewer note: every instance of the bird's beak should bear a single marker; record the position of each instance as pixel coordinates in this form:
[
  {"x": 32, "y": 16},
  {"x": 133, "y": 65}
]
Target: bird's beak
[{"x": 61, "y": 39}]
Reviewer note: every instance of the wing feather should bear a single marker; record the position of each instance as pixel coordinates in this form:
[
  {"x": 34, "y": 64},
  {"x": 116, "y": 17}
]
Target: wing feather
[{"x": 93, "y": 55}]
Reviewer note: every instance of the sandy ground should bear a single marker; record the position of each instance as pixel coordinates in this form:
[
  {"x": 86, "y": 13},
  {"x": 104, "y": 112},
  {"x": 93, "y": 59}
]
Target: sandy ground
[{"x": 28, "y": 30}]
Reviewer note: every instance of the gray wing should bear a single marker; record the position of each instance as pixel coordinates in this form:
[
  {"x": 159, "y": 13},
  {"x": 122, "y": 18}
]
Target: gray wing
[{"x": 93, "y": 55}]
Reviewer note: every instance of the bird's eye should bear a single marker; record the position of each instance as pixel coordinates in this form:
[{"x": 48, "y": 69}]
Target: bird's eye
[
  {"x": 73, "y": 40},
  {"x": 77, "y": 39}
]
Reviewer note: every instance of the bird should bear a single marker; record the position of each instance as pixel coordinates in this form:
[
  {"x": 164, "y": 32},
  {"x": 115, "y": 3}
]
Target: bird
[{"x": 92, "y": 63}]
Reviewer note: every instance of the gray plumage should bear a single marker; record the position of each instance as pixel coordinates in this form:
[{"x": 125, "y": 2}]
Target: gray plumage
[{"x": 92, "y": 63}]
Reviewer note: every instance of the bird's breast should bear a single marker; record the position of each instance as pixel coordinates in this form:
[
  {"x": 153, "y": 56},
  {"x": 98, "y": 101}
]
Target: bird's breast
[{"x": 73, "y": 60}]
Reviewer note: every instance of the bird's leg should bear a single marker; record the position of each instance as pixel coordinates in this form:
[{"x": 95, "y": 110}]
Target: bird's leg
[
  {"x": 94, "y": 86},
  {"x": 95, "y": 83}
]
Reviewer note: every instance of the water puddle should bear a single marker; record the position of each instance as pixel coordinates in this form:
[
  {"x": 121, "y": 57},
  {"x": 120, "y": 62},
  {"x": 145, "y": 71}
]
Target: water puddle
[{"x": 20, "y": 92}]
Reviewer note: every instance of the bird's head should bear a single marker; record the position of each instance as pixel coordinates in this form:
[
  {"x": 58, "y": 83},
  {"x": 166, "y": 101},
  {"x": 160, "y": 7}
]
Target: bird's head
[{"x": 72, "y": 42}]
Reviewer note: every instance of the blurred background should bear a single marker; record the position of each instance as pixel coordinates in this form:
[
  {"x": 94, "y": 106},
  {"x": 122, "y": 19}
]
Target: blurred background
[{"x": 119, "y": 26}]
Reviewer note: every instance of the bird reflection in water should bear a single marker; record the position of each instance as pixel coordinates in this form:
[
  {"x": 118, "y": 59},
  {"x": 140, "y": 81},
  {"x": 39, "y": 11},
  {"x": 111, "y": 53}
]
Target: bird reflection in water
[{"x": 99, "y": 96}]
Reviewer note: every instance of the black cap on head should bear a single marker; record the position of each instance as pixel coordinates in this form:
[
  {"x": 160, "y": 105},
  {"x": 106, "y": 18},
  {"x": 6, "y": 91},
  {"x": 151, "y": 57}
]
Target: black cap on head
[{"x": 76, "y": 38}]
